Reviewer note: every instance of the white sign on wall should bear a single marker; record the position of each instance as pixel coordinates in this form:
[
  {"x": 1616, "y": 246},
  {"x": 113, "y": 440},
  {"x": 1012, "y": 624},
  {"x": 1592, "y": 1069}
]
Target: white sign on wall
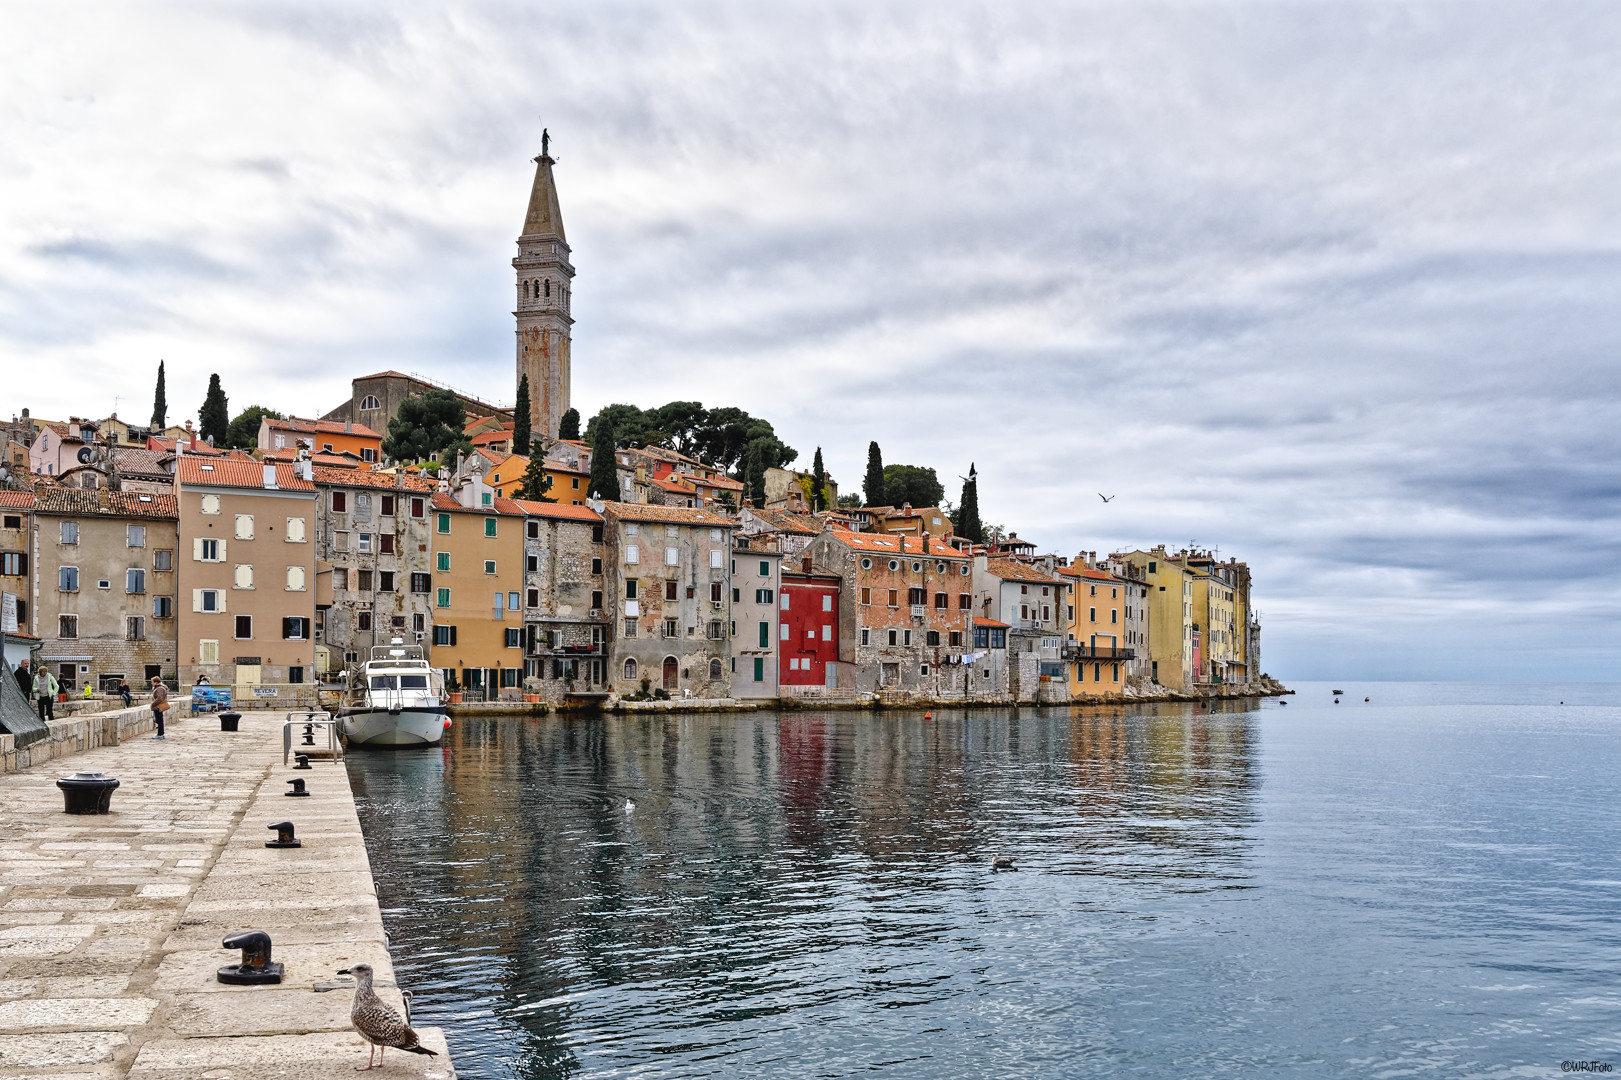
[{"x": 8, "y": 612}]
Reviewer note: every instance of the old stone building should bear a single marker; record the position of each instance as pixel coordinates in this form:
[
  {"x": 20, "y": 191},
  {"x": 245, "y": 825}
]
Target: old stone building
[
  {"x": 756, "y": 585},
  {"x": 1027, "y": 601},
  {"x": 545, "y": 289},
  {"x": 668, "y": 579},
  {"x": 103, "y": 585},
  {"x": 375, "y": 399},
  {"x": 565, "y": 625},
  {"x": 375, "y": 542}
]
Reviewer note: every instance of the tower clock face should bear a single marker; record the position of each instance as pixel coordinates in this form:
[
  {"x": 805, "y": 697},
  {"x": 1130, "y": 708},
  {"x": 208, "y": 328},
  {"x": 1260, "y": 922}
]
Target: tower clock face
[{"x": 84, "y": 455}]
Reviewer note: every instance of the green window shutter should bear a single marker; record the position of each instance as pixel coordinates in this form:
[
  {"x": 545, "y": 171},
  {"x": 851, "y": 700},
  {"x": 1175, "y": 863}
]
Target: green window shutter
[
  {"x": 443, "y": 560},
  {"x": 444, "y": 598},
  {"x": 759, "y": 669},
  {"x": 489, "y": 526},
  {"x": 765, "y": 569},
  {"x": 444, "y": 523},
  {"x": 765, "y": 635}
]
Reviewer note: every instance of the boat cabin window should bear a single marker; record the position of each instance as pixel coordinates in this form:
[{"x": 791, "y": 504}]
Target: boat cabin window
[
  {"x": 384, "y": 682},
  {"x": 413, "y": 682}
]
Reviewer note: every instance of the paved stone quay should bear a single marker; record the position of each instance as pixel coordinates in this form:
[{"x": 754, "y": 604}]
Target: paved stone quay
[{"x": 110, "y": 925}]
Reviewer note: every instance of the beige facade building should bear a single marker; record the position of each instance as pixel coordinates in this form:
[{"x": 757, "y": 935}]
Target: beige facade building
[{"x": 247, "y": 581}]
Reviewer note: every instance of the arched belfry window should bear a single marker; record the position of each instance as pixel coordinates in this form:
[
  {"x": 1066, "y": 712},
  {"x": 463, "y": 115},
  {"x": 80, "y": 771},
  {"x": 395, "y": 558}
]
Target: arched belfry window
[
  {"x": 370, "y": 402},
  {"x": 548, "y": 286}
]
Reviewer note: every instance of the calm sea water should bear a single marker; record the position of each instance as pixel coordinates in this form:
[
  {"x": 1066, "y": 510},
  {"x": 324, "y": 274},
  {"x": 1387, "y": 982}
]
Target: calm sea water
[{"x": 1424, "y": 884}]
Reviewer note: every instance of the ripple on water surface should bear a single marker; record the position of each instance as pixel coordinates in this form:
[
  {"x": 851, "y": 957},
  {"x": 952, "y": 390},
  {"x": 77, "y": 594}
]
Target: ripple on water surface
[{"x": 1408, "y": 889}]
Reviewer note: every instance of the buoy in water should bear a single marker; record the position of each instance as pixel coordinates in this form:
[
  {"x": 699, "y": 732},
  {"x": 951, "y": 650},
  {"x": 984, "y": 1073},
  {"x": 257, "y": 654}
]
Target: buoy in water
[{"x": 928, "y": 716}]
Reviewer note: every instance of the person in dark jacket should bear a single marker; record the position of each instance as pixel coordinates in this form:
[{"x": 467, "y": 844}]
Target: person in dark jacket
[
  {"x": 160, "y": 703},
  {"x": 123, "y": 691},
  {"x": 25, "y": 679}
]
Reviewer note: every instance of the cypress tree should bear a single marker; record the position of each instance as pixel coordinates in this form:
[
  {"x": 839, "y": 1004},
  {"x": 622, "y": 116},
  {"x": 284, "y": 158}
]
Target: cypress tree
[
  {"x": 818, "y": 483},
  {"x": 536, "y": 483},
  {"x": 568, "y": 426},
  {"x": 160, "y": 404},
  {"x": 754, "y": 466},
  {"x": 967, "y": 521},
  {"x": 874, "y": 483},
  {"x": 520, "y": 419},
  {"x": 214, "y": 418},
  {"x": 604, "y": 467}
]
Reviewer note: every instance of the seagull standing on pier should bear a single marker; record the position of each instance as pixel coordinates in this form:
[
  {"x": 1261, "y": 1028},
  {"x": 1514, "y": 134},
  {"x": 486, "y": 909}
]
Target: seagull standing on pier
[{"x": 377, "y": 1021}]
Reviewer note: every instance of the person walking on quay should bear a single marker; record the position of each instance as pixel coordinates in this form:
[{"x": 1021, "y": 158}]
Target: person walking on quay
[
  {"x": 45, "y": 690},
  {"x": 25, "y": 679},
  {"x": 123, "y": 691},
  {"x": 160, "y": 704}
]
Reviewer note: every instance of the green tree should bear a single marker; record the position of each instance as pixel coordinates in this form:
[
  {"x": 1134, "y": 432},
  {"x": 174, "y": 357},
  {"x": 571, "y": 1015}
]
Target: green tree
[
  {"x": 520, "y": 418},
  {"x": 912, "y": 484},
  {"x": 568, "y": 426},
  {"x": 214, "y": 418},
  {"x": 627, "y": 422},
  {"x": 849, "y": 501},
  {"x": 604, "y": 466},
  {"x": 726, "y": 501},
  {"x": 966, "y": 521},
  {"x": 818, "y": 482},
  {"x": 160, "y": 404},
  {"x": 429, "y": 424},
  {"x": 873, "y": 485},
  {"x": 535, "y": 483},
  {"x": 243, "y": 434},
  {"x": 754, "y": 467}
]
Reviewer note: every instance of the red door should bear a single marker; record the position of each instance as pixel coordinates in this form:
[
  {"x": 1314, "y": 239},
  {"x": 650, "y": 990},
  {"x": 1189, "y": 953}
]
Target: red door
[{"x": 670, "y": 669}]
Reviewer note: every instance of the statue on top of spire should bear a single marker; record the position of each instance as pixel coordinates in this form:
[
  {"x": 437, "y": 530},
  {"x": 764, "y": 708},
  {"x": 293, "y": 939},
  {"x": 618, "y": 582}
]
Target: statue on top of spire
[{"x": 545, "y": 143}]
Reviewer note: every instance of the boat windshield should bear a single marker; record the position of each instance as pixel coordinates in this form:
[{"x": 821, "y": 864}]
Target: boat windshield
[
  {"x": 384, "y": 682},
  {"x": 413, "y": 682}
]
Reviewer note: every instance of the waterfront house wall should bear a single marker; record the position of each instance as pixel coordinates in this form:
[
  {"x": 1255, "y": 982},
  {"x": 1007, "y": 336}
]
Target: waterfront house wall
[
  {"x": 756, "y": 591},
  {"x": 566, "y": 629},
  {"x": 808, "y": 630},
  {"x": 478, "y": 584}
]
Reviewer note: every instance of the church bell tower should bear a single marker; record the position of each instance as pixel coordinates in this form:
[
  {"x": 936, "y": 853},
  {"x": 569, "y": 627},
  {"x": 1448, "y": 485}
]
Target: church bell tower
[{"x": 545, "y": 287}]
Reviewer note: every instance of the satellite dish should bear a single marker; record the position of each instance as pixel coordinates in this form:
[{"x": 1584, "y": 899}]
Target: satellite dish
[{"x": 84, "y": 455}]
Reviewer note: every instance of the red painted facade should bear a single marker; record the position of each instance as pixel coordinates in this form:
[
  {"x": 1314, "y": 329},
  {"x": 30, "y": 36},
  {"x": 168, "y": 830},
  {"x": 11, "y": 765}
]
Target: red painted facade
[{"x": 807, "y": 628}]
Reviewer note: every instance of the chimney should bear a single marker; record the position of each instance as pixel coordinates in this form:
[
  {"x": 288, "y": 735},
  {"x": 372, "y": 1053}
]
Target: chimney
[
  {"x": 805, "y": 564},
  {"x": 105, "y": 497},
  {"x": 270, "y": 476},
  {"x": 925, "y": 543}
]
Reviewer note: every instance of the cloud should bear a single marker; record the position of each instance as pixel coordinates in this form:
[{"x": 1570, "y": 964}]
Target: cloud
[{"x": 1329, "y": 284}]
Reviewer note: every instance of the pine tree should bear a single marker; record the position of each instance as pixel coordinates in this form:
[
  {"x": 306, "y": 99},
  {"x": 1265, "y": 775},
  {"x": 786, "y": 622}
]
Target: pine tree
[
  {"x": 520, "y": 418},
  {"x": 160, "y": 404},
  {"x": 818, "y": 483},
  {"x": 966, "y": 521},
  {"x": 568, "y": 426},
  {"x": 874, "y": 483},
  {"x": 754, "y": 467},
  {"x": 214, "y": 418},
  {"x": 604, "y": 466},
  {"x": 536, "y": 483}
]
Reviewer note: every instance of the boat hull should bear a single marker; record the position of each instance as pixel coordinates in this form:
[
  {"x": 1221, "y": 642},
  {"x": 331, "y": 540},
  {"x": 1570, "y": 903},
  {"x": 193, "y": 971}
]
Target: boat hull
[{"x": 417, "y": 725}]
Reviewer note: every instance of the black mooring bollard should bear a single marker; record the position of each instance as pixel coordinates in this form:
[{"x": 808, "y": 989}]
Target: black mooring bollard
[
  {"x": 284, "y": 836},
  {"x": 87, "y": 793},
  {"x": 309, "y": 735},
  {"x": 256, "y": 966},
  {"x": 298, "y": 791},
  {"x": 229, "y": 720},
  {"x": 303, "y": 761}
]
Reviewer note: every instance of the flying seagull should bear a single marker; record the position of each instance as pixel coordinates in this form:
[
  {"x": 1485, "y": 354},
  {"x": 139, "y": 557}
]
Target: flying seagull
[
  {"x": 377, "y": 1022},
  {"x": 1106, "y": 498}
]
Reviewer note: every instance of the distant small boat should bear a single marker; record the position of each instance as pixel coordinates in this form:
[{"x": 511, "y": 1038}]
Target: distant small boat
[{"x": 1338, "y": 692}]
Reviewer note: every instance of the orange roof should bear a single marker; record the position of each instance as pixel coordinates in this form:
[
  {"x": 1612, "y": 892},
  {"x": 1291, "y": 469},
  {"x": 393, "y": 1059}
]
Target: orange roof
[
  {"x": 1008, "y": 570},
  {"x": 346, "y": 477},
  {"x": 486, "y": 437},
  {"x": 891, "y": 544},
  {"x": 673, "y": 485},
  {"x": 1095, "y": 575},
  {"x": 555, "y": 510},
  {"x": 558, "y": 466},
  {"x": 321, "y": 427},
  {"x": 783, "y": 521},
  {"x": 991, "y": 622},
  {"x": 674, "y": 514},
  {"x": 21, "y": 500},
  {"x": 77, "y": 501},
  {"x": 233, "y": 472},
  {"x": 443, "y": 501}
]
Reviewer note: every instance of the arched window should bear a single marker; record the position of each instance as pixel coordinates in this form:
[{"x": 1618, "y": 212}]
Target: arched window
[
  {"x": 714, "y": 668},
  {"x": 548, "y": 286},
  {"x": 370, "y": 402},
  {"x": 630, "y": 667},
  {"x": 536, "y": 286}
]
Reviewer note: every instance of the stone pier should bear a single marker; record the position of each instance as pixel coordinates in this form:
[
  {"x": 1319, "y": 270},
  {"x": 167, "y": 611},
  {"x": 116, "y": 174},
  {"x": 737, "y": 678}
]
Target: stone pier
[{"x": 110, "y": 926}]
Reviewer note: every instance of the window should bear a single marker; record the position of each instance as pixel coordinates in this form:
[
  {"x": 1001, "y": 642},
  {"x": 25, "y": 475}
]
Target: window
[
  {"x": 136, "y": 536},
  {"x": 923, "y": 669},
  {"x": 906, "y": 637},
  {"x": 295, "y": 579},
  {"x": 70, "y": 532},
  {"x": 295, "y": 628},
  {"x": 714, "y": 667},
  {"x": 385, "y": 581},
  {"x": 630, "y": 588},
  {"x": 340, "y": 502},
  {"x": 894, "y": 637},
  {"x": 134, "y": 628},
  {"x": 104, "y": 583},
  {"x": 421, "y": 583},
  {"x": 444, "y": 635},
  {"x": 67, "y": 626},
  {"x": 444, "y": 523},
  {"x": 385, "y": 543},
  {"x": 764, "y": 596},
  {"x": 441, "y": 560},
  {"x": 917, "y": 596},
  {"x": 206, "y": 550},
  {"x": 630, "y": 667},
  {"x": 11, "y": 521},
  {"x": 866, "y": 564},
  {"x": 489, "y": 566},
  {"x": 211, "y": 504},
  {"x": 669, "y": 628},
  {"x": 244, "y": 526},
  {"x": 866, "y": 636},
  {"x": 512, "y": 601},
  {"x": 672, "y": 556},
  {"x": 295, "y": 674},
  {"x": 370, "y": 402},
  {"x": 633, "y": 555},
  {"x": 419, "y": 507},
  {"x": 163, "y": 607},
  {"x": 596, "y": 601},
  {"x": 596, "y": 566},
  {"x": 363, "y": 620},
  {"x": 759, "y": 669},
  {"x": 894, "y": 564},
  {"x": 1093, "y": 614},
  {"x": 534, "y": 597},
  {"x": 67, "y": 579},
  {"x": 242, "y": 576},
  {"x": 630, "y": 631},
  {"x": 1114, "y": 614},
  {"x": 364, "y": 580},
  {"x": 208, "y": 652},
  {"x": 717, "y": 559},
  {"x": 368, "y": 454},
  {"x": 1023, "y": 589},
  {"x": 419, "y": 621},
  {"x": 207, "y": 600},
  {"x": 941, "y": 601},
  {"x": 715, "y": 633},
  {"x": 866, "y": 596},
  {"x": 365, "y": 543},
  {"x": 489, "y": 526},
  {"x": 894, "y": 598},
  {"x": 669, "y": 590},
  {"x": 714, "y": 592},
  {"x": 340, "y": 541},
  {"x": 244, "y": 627},
  {"x": 135, "y": 581},
  {"x": 932, "y": 639},
  {"x": 340, "y": 578},
  {"x": 13, "y": 563},
  {"x": 956, "y": 638},
  {"x": 510, "y": 638},
  {"x": 442, "y": 599}
]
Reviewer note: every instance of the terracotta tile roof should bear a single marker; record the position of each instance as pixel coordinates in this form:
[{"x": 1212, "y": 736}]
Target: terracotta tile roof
[
  {"x": 391, "y": 375},
  {"x": 326, "y": 476},
  {"x": 890, "y": 544},
  {"x": 137, "y": 461},
  {"x": 486, "y": 437},
  {"x": 19, "y": 500},
  {"x": 557, "y": 466},
  {"x": 443, "y": 501},
  {"x": 677, "y": 515},
  {"x": 233, "y": 472},
  {"x": 675, "y": 485},
  {"x": 321, "y": 427},
  {"x": 1008, "y": 570},
  {"x": 79, "y": 502},
  {"x": 555, "y": 510},
  {"x": 783, "y": 521},
  {"x": 991, "y": 622},
  {"x": 334, "y": 461},
  {"x": 723, "y": 482},
  {"x": 1083, "y": 572}
]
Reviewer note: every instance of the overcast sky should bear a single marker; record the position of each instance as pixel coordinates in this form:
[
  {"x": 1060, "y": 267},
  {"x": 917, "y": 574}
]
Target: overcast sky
[{"x": 1330, "y": 285}]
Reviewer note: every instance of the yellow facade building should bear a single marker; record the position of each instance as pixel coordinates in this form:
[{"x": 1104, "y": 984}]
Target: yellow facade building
[
  {"x": 1170, "y": 616},
  {"x": 478, "y": 583}
]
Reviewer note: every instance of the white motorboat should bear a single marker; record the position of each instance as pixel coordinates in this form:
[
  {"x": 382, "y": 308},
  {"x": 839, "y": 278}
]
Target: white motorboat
[{"x": 394, "y": 699}]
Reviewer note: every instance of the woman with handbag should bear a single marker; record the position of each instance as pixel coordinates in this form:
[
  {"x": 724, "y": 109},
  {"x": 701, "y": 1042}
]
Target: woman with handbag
[{"x": 160, "y": 704}]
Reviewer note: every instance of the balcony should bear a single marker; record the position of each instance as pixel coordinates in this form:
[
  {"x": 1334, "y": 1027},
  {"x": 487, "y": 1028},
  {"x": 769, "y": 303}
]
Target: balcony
[
  {"x": 920, "y": 611},
  {"x": 1097, "y": 652}
]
